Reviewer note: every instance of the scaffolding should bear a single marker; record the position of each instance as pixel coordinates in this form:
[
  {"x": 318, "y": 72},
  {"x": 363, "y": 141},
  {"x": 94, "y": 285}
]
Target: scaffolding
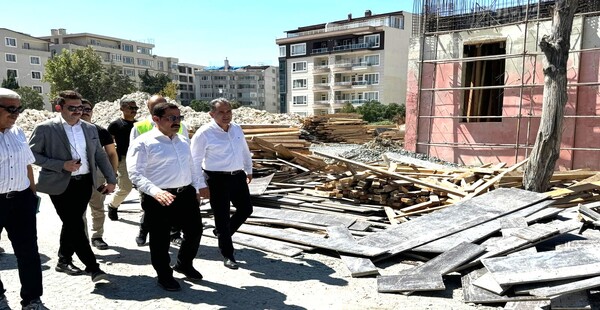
[{"x": 433, "y": 18}]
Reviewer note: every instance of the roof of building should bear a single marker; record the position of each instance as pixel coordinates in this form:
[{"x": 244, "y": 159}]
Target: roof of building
[
  {"x": 344, "y": 21},
  {"x": 25, "y": 34}
]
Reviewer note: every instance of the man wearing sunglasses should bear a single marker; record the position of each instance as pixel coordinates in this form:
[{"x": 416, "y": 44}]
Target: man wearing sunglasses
[
  {"x": 138, "y": 129},
  {"x": 18, "y": 202},
  {"x": 68, "y": 150},
  {"x": 98, "y": 194},
  {"x": 120, "y": 130},
  {"x": 158, "y": 163}
]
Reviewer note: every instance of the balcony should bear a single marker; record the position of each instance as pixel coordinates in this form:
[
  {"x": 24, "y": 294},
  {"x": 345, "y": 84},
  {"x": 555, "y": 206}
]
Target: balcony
[
  {"x": 321, "y": 69},
  {"x": 342, "y": 85},
  {"x": 321, "y": 102},
  {"x": 358, "y": 101},
  {"x": 361, "y": 84},
  {"x": 341, "y": 101},
  {"x": 361, "y": 65},
  {"x": 320, "y": 86},
  {"x": 342, "y": 66},
  {"x": 316, "y": 51},
  {"x": 356, "y": 46}
]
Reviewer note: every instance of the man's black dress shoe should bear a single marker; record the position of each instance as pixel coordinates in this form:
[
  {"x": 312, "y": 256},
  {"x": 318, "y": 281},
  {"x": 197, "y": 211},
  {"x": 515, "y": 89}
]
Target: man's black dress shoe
[
  {"x": 98, "y": 276},
  {"x": 69, "y": 269},
  {"x": 230, "y": 263},
  {"x": 141, "y": 238},
  {"x": 169, "y": 284},
  {"x": 189, "y": 272}
]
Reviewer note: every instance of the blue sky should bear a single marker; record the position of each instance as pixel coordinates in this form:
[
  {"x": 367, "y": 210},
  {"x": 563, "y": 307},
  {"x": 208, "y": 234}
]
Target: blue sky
[{"x": 244, "y": 31}]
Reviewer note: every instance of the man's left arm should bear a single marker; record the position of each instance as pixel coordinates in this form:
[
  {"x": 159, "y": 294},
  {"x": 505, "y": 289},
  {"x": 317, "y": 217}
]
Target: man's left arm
[
  {"x": 247, "y": 157},
  {"x": 113, "y": 157},
  {"x": 103, "y": 163},
  {"x": 31, "y": 180}
]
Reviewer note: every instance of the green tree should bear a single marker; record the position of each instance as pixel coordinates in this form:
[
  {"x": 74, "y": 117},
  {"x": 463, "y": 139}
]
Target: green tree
[
  {"x": 348, "y": 108},
  {"x": 200, "y": 106},
  {"x": 153, "y": 84},
  {"x": 11, "y": 82},
  {"x": 394, "y": 111},
  {"x": 115, "y": 84},
  {"x": 170, "y": 90},
  {"x": 81, "y": 70},
  {"x": 372, "y": 111},
  {"x": 30, "y": 98},
  {"x": 235, "y": 104}
]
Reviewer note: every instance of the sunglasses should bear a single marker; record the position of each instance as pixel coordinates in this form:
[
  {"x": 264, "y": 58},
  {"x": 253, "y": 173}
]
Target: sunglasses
[
  {"x": 88, "y": 110},
  {"x": 133, "y": 108},
  {"x": 73, "y": 108},
  {"x": 173, "y": 118},
  {"x": 13, "y": 110}
]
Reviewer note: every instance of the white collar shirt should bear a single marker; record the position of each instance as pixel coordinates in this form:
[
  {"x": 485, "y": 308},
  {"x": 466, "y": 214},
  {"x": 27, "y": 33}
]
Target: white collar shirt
[
  {"x": 15, "y": 156},
  {"x": 77, "y": 144},
  {"x": 135, "y": 133},
  {"x": 156, "y": 162},
  {"x": 215, "y": 149}
]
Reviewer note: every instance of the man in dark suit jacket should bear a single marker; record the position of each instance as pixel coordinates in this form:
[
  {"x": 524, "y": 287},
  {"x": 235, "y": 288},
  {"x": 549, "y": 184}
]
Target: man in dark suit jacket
[{"x": 68, "y": 150}]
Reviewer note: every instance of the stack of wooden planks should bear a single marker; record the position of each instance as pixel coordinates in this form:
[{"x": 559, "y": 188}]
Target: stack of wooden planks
[
  {"x": 284, "y": 135},
  {"x": 339, "y": 127}
]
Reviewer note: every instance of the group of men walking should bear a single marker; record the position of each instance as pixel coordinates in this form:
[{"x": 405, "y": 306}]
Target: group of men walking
[{"x": 79, "y": 164}]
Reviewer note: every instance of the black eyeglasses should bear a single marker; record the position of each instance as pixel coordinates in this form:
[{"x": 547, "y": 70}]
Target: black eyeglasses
[
  {"x": 173, "y": 118},
  {"x": 13, "y": 109},
  {"x": 73, "y": 108},
  {"x": 133, "y": 108},
  {"x": 88, "y": 110}
]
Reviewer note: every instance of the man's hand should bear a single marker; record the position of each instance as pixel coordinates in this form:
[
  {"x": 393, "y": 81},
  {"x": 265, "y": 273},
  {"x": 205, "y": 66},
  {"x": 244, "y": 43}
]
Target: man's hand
[
  {"x": 204, "y": 193},
  {"x": 72, "y": 165},
  {"x": 108, "y": 188},
  {"x": 248, "y": 178},
  {"x": 164, "y": 198}
]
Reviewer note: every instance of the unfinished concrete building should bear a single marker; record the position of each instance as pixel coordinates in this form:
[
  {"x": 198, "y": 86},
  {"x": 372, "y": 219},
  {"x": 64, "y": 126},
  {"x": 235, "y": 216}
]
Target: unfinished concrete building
[{"x": 475, "y": 81}]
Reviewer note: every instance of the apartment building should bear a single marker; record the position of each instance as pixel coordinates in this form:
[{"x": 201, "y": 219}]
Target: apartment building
[
  {"x": 356, "y": 60},
  {"x": 133, "y": 57},
  {"x": 186, "y": 82},
  {"x": 24, "y": 57},
  {"x": 251, "y": 86}
]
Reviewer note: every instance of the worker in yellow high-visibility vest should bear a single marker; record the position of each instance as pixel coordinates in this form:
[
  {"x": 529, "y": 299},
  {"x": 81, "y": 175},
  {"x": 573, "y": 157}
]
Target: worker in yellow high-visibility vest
[{"x": 138, "y": 129}]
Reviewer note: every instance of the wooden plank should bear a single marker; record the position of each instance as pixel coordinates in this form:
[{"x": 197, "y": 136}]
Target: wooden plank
[
  {"x": 285, "y": 223},
  {"x": 544, "y": 266},
  {"x": 311, "y": 240},
  {"x": 360, "y": 226},
  {"x": 438, "y": 266},
  {"x": 487, "y": 282},
  {"x": 463, "y": 215},
  {"x": 495, "y": 179},
  {"x": 478, "y": 232},
  {"x": 303, "y": 217},
  {"x": 571, "y": 287},
  {"x": 358, "y": 266},
  {"x": 391, "y": 215},
  {"x": 511, "y": 224},
  {"x": 573, "y": 301},
  {"x": 474, "y": 294},
  {"x": 528, "y": 305}
]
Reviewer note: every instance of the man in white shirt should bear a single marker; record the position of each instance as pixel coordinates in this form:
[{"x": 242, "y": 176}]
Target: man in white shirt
[
  {"x": 158, "y": 163},
  {"x": 68, "y": 150},
  {"x": 220, "y": 149},
  {"x": 139, "y": 128},
  {"x": 18, "y": 202}
]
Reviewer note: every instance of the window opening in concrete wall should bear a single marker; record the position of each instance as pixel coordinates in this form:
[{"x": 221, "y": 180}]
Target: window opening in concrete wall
[{"x": 479, "y": 102}]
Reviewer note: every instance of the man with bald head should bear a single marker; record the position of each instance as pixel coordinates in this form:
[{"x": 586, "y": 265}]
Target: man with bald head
[
  {"x": 138, "y": 129},
  {"x": 18, "y": 202}
]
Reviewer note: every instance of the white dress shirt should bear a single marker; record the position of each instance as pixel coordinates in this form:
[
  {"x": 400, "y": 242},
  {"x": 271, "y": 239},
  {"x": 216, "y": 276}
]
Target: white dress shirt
[
  {"x": 15, "y": 156},
  {"x": 135, "y": 133},
  {"x": 215, "y": 149},
  {"x": 78, "y": 145},
  {"x": 156, "y": 162}
]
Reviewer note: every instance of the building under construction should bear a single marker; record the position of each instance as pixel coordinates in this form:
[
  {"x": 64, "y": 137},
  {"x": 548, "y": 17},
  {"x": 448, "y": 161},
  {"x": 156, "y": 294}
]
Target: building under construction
[{"x": 475, "y": 81}]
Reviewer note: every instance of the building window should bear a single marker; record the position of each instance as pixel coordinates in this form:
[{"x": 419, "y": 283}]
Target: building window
[
  {"x": 161, "y": 65},
  {"x": 372, "y": 40},
  {"x": 117, "y": 57},
  {"x": 39, "y": 89},
  {"x": 10, "y": 42},
  {"x": 11, "y": 57},
  {"x": 145, "y": 62},
  {"x": 371, "y": 96},
  {"x": 128, "y": 47},
  {"x": 12, "y": 73},
  {"x": 34, "y": 60},
  {"x": 127, "y": 60},
  {"x": 397, "y": 22},
  {"x": 36, "y": 75},
  {"x": 282, "y": 51},
  {"x": 144, "y": 50},
  {"x": 372, "y": 78},
  {"x": 299, "y": 83},
  {"x": 372, "y": 60},
  {"x": 299, "y": 66},
  {"x": 483, "y": 102},
  {"x": 299, "y": 100},
  {"x": 129, "y": 72},
  {"x": 298, "y": 49}
]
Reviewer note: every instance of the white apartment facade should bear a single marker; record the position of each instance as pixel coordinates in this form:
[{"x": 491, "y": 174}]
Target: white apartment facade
[
  {"x": 322, "y": 67},
  {"x": 133, "y": 57},
  {"x": 251, "y": 86},
  {"x": 24, "y": 57},
  {"x": 187, "y": 91}
]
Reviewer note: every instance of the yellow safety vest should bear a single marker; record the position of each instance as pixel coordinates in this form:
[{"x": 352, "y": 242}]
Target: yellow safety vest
[{"x": 146, "y": 125}]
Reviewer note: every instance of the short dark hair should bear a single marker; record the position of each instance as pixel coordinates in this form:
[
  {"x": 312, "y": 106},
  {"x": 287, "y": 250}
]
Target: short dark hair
[
  {"x": 127, "y": 101},
  {"x": 213, "y": 103},
  {"x": 161, "y": 108},
  {"x": 85, "y": 101},
  {"x": 67, "y": 94}
]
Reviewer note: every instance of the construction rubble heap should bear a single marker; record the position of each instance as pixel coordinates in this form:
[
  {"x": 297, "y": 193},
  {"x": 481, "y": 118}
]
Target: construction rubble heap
[{"x": 508, "y": 245}]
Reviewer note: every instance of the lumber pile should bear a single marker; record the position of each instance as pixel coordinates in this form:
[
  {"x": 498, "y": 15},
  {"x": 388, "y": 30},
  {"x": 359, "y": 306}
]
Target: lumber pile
[
  {"x": 284, "y": 135},
  {"x": 339, "y": 127}
]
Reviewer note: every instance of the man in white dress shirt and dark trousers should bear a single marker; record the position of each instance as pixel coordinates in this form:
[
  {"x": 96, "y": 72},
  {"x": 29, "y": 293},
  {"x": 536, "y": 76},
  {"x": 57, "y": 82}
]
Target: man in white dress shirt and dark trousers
[
  {"x": 220, "y": 149},
  {"x": 68, "y": 150},
  {"x": 18, "y": 202},
  {"x": 159, "y": 163}
]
